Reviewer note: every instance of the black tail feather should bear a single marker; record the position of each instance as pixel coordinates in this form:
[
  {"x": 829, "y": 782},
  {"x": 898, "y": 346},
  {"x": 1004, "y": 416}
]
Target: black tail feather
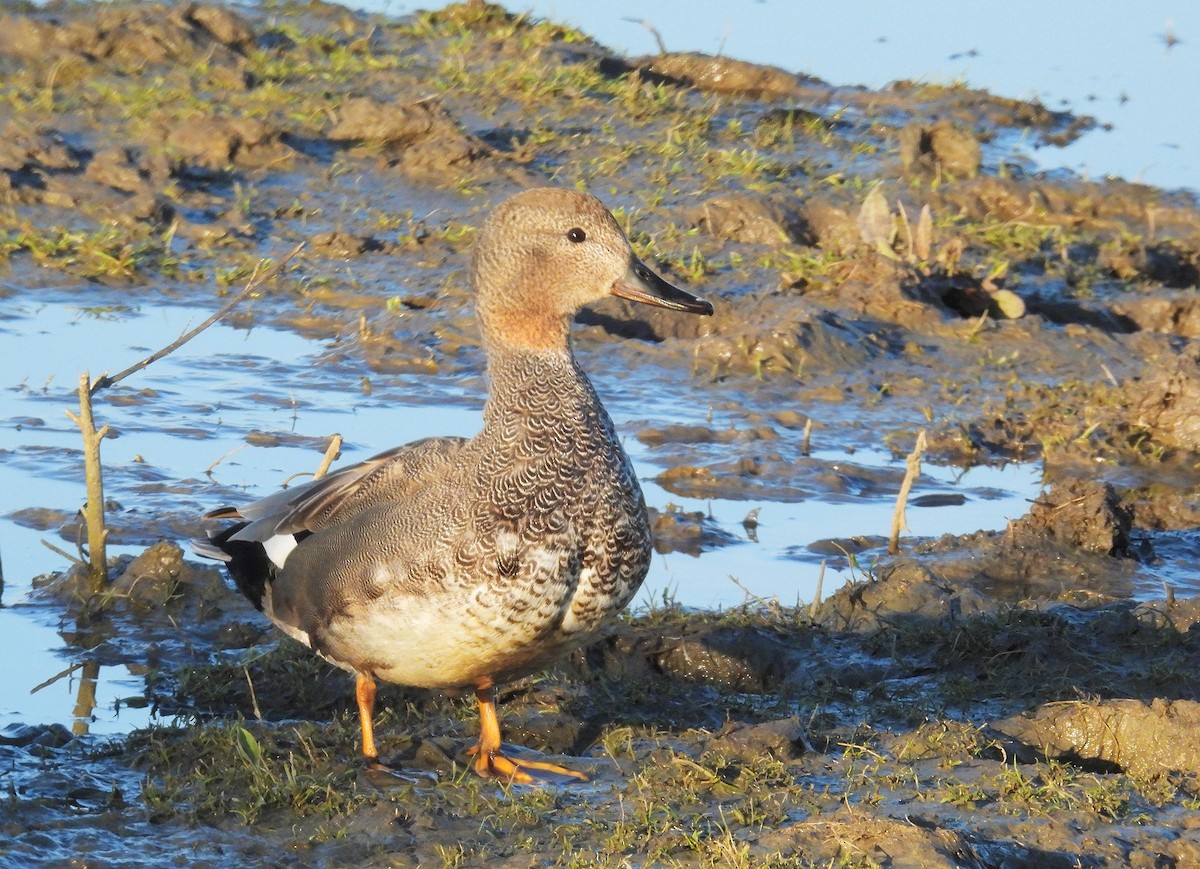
[{"x": 246, "y": 561}]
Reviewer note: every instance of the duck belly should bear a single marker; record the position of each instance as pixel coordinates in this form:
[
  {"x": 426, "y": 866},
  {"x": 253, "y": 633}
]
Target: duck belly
[{"x": 450, "y": 641}]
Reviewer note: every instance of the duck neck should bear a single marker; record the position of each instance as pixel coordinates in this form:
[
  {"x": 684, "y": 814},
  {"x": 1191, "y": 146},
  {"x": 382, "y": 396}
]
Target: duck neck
[
  {"x": 533, "y": 332},
  {"x": 542, "y": 383}
]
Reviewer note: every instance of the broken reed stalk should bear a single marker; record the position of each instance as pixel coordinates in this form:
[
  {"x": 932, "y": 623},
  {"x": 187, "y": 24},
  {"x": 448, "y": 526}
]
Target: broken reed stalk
[
  {"x": 208, "y": 471},
  {"x": 93, "y": 471},
  {"x": 256, "y": 280},
  {"x": 910, "y": 475},
  {"x": 93, "y": 510},
  {"x": 59, "y": 551},
  {"x": 662, "y": 46},
  {"x": 331, "y": 453},
  {"x": 253, "y": 695},
  {"x": 816, "y": 602}
]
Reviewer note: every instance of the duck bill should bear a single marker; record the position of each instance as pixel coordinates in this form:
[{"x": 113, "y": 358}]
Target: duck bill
[{"x": 640, "y": 284}]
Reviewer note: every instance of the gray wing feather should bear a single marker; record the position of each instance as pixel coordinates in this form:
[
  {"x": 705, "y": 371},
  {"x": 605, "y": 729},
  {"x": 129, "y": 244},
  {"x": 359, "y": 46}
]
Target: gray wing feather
[{"x": 346, "y": 493}]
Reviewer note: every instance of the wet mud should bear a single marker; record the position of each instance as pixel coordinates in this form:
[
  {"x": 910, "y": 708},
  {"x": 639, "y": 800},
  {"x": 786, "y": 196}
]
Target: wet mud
[{"x": 881, "y": 261}]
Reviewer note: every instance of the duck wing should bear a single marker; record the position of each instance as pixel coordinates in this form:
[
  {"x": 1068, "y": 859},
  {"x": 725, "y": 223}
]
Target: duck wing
[{"x": 338, "y": 497}]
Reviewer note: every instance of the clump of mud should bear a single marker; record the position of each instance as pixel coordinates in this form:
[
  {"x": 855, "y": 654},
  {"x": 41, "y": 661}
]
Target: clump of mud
[{"x": 1079, "y": 514}]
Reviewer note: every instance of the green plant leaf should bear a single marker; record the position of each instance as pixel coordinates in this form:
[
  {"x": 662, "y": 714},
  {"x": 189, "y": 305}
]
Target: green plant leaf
[{"x": 248, "y": 746}]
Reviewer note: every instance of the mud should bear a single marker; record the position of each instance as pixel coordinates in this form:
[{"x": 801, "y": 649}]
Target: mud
[{"x": 1012, "y": 698}]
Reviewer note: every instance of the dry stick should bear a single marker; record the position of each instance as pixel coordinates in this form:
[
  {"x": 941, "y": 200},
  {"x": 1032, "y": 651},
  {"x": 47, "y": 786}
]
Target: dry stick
[
  {"x": 910, "y": 475},
  {"x": 93, "y": 511},
  {"x": 332, "y": 452},
  {"x": 978, "y": 326},
  {"x": 256, "y": 280},
  {"x": 807, "y": 436},
  {"x": 208, "y": 471},
  {"x": 662, "y": 46},
  {"x": 93, "y": 472},
  {"x": 816, "y": 603},
  {"x": 80, "y": 534},
  {"x": 253, "y": 695},
  {"x": 62, "y": 552}
]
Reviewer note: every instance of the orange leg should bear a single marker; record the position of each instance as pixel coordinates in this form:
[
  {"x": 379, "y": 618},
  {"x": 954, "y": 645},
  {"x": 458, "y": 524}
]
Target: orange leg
[
  {"x": 491, "y": 762},
  {"x": 364, "y": 692}
]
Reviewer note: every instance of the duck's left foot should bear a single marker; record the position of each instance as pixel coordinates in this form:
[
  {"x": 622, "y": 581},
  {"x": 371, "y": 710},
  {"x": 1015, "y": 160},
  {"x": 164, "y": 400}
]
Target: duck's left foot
[
  {"x": 503, "y": 764},
  {"x": 494, "y": 759}
]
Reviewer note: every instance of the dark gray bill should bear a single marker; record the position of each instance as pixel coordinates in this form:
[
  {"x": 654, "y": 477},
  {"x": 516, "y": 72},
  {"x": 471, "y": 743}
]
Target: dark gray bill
[{"x": 640, "y": 284}]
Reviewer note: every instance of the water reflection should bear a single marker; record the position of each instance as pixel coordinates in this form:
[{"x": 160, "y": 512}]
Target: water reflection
[
  {"x": 85, "y": 699},
  {"x": 85, "y": 694}
]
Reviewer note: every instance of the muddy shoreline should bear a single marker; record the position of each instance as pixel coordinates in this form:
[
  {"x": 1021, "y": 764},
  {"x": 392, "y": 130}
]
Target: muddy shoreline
[{"x": 881, "y": 264}]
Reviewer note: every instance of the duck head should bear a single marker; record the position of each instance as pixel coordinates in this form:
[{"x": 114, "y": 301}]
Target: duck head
[{"x": 545, "y": 253}]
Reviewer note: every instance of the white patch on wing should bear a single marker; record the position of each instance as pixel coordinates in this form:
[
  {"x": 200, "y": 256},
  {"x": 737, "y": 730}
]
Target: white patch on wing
[{"x": 279, "y": 547}]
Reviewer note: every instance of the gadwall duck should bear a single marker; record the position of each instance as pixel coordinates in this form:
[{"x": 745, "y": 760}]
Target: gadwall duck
[{"x": 452, "y": 563}]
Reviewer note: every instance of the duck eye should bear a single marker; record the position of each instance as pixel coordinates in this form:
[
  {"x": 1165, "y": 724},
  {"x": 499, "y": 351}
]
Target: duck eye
[{"x": 576, "y": 235}]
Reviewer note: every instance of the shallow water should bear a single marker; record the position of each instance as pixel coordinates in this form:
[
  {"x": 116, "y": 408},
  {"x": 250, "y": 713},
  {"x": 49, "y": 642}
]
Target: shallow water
[{"x": 193, "y": 411}]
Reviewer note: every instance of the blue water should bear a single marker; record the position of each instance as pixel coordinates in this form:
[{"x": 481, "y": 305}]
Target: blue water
[{"x": 209, "y": 395}]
